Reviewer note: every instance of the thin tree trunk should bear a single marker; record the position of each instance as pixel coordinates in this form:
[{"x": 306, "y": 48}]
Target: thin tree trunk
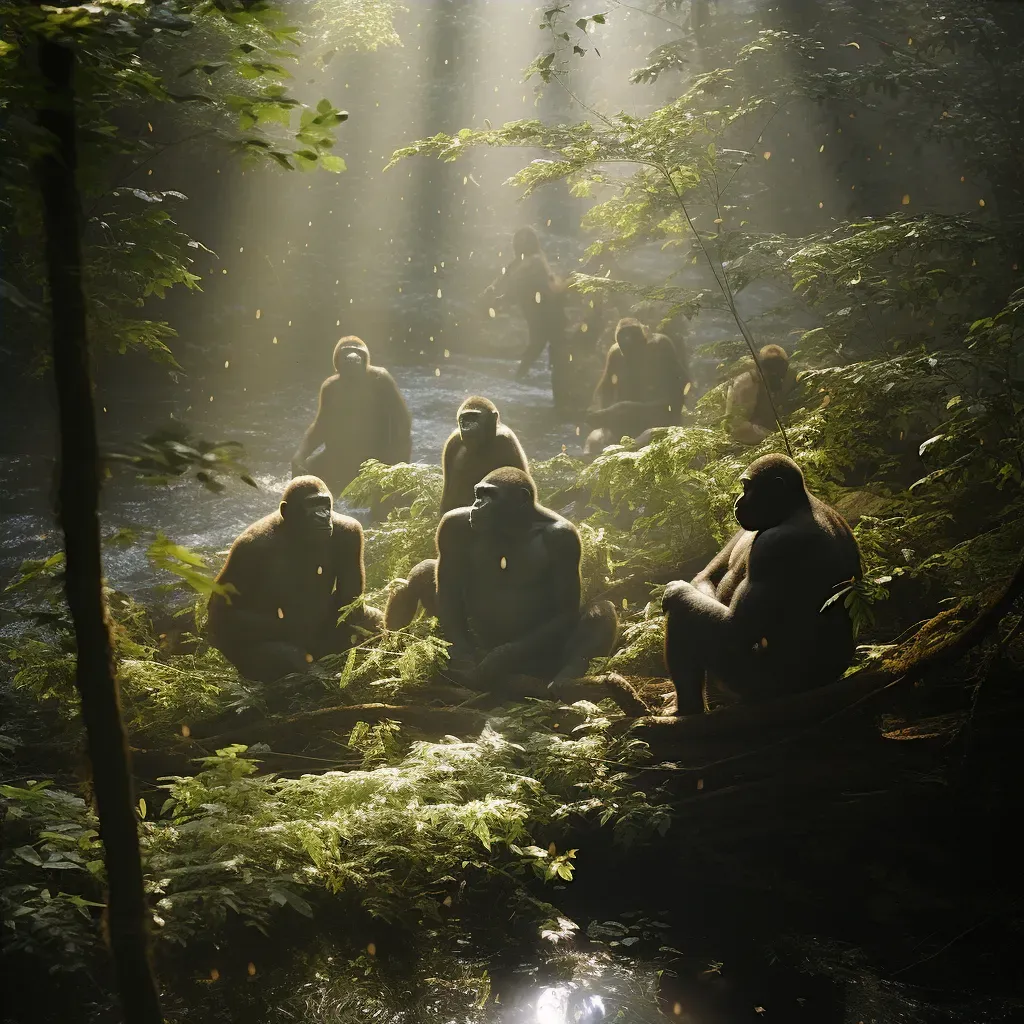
[{"x": 79, "y": 487}]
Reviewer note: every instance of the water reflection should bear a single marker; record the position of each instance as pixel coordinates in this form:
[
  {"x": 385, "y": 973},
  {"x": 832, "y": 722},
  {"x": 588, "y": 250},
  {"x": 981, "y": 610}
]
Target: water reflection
[{"x": 563, "y": 1005}]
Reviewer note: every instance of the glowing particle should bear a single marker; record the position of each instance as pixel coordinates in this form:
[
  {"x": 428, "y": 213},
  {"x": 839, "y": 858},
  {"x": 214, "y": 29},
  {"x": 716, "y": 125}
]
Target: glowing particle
[
  {"x": 549, "y": 222},
  {"x": 764, "y": 641},
  {"x": 149, "y": 126},
  {"x": 583, "y": 328},
  {"x": 625, "y": 604},
  {"x": 718, "y": 220},
  {"x": 446, "y": 353},
  {"x": 570, "y": 357},
  {"x": 821, "y": 206},
  {"x": 615, "y": 379},
  {"x": 309, "y": 659},
  {"x": 214, "y": 974},
  {"x": 447, "y": 901},
  {"x": 552, "y": 849},
  {"x": 981, "y": 202},
  {"x": 211, "y": 398},
  {"x": 241, "y": 248},
  {"x": 275, "y": 339},
  {"x": 439, "y": 293},
  {"x": 280, "y": 613},
  {"x": 319, "y": 570},
  {"x": 251, "y": 969},
  {"x": 906, "y": 200},
  {"x": 337, "y": 323},
  {"x": 310, "y": 224},
  {"x": 577, "y": 431},
  {"x": 186, "y": 731},
  {"x": 767, "y": 155},
  {"x": 289, "y": 323},
  {"x": 821, "y": 148},
  {"x": 224, "y": 271},
  {"x": 371, "y": 949},
  {"x": 437, "y": 372},
  {"x": 677, "y": 1009},
  {"x": 491, "y": 313},
  {"x": 700, "y": 784},
  {"x": 536, "y": 297},
  {"x": 504, "y": 562},
  {"x": 150, "y": 171},
  {"x": 689, "y": 385}
]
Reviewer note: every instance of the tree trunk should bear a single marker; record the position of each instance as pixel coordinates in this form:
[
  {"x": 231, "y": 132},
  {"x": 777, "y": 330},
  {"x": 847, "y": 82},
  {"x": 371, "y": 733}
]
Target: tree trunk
[{"x": 79, "y": 485}]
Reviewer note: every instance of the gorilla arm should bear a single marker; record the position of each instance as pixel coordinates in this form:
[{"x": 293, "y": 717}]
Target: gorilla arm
[
  {"x": 347, "y": 563},
  {"x": 708, "y": 579},
  {"x": 395, "y": 414},
  {"x": 453, "y": 540},
  {"x": 453, "y": 447},
  {"x": 315, "y": 434}
]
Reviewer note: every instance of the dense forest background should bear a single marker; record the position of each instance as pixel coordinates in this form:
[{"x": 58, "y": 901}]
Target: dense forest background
[{"x": 244, "y": 182}]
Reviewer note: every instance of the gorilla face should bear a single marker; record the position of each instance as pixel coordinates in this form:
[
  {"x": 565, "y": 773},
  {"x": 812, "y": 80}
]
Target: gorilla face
[
  {"x": 312, "y": 515},
  {"x": 763, "y": 503},
  {"x": 631, "y": 342},
  {"x": 499, "y": 509},
  {"x": 476, "y": 428},
  {"x": 351, "y": 362}
]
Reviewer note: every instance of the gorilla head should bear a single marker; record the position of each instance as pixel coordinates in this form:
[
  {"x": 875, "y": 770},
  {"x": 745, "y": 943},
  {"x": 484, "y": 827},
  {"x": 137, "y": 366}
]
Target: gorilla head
[
  {"x": 505, "y": 500},
  {"x": 775, "y": 364},
  {"x": 773, "y": 489},
  {"x": 307, "y": 506},
  {"x": 630, "y": 336},
  {"x": 351, "y": 357},
  {"x": 478, "y": 422},
  {"x": 525, "y": 243}
]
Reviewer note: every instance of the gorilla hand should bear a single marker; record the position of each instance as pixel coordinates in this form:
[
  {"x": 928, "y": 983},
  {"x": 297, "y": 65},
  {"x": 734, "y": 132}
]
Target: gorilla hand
[
  {"x": 496, "y": 664},
  {"x": 677, "y": 590}
]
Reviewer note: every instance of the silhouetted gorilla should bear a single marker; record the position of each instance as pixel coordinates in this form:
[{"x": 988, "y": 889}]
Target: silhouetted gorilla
[
  {"x": 292, "y": 573},
  {"x": 481, "y": 443},
  {"x": 642, "y": 386},
  {"x": 755, "y": 617},
  {"x": 540, "y": 294},
  {"x": 361, "y": 415},
  {"x": 508, "y": 593},
  {"x": 748, "y": 410}
]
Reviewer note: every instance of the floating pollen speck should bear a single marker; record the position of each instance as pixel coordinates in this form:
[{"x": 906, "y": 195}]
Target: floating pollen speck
[
  {"x": 584, "y": 328},
  {"x": 309, "y": 659},
  {"x": 371, "y": 949},
  {"x": 536, "y": 297},
  {"x": 251, "y": 969},
  {"x": 280, "y": 613},
  {"x": 319, "y": 570},
  {"x": 227, "y": 363},
  {"x": 275, "y": 339},
  {"x": 504, "y": 562},
  {"x": 491, "y": 313},
  {"x": 186, "y": 731},
  {"x": 437, "y": 372}
]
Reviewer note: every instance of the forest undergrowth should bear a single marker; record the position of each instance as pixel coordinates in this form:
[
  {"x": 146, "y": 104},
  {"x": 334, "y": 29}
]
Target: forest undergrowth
[{"x": 371, "y": 791}]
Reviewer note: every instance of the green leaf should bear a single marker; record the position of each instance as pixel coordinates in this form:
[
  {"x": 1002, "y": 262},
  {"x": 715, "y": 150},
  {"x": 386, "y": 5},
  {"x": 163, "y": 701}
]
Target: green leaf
[
  {"x": 334, "y": 164},
  {"x": 29, "y": 855}
]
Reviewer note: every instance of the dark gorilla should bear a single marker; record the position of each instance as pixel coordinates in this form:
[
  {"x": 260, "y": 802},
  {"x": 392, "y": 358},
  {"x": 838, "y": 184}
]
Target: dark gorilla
[
  {"x": 540, "y": 294},
  {"x": 748, "y": 408},
  {"x": 292, "y": 572},
  {"x": 361, "y": 415},
  {"x": 480, "y": 444},
  {"x": 508, "y": 594},
  {"x": 642, "y": 386},
  {"x": 755, "y": 617}
]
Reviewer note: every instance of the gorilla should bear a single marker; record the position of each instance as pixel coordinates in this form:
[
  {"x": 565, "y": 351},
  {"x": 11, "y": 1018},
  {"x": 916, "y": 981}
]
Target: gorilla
[
  {"x": 361, "y": 415},
  {"x": 480, "y": 444},
  {"x": 291, "y": 574},
  {"x": 755, "y": 617},
  {"x": 642, "y": 386},
  {"x": 508, "y": 595},
  {"x": 540, "y": 294},
  {"x": 748, "y": 409}
]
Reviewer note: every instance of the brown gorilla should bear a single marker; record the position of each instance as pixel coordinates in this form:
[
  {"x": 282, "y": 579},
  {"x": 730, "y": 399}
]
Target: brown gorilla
[
  {"x": 540, "y": 294},
  {"x": 508, "y": 594},
  {"x": 755, "y": 618},
  {"x": 361, "y": 415},
  {"x": 292, "y": 573},
  {"x": 481, "y": 443},
  {"x": 642, "y": 386},
  {"x": 748, "y": 408}
]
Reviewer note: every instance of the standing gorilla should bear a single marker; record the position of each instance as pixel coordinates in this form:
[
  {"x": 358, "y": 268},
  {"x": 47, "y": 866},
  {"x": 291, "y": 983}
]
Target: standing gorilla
[
  {"x": 481, "y": 443},
  {"x": 748, "y": 407},
  {"x": 540, "y": 295},
  {"x": 642, "y": 386},
  {"x": 508, "y": 594},
  {"x": 361, "y": 415},
  {"x": 292, "y": 573},
  {"x": 755, "y": 617}
]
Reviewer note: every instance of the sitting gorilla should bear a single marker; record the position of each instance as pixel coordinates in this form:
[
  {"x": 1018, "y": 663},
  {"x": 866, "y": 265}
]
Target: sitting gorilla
[
  {"x": 755, "y": 617},
  {"x": 480, "y": 444},
  {"x": 748, "y": 406},
  {"x": 508, "y": 594},
  {"x": 642, "y": 386},
  {"x": 292, "y": 572},
  {"x": 361, "y": 415}
]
